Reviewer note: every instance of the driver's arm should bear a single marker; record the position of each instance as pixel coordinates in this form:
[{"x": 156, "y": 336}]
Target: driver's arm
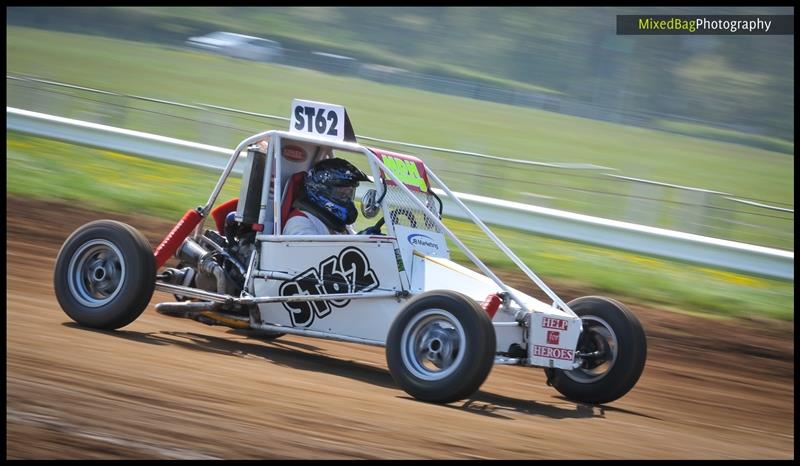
[
  {"x": 373, "y": 230},
  {"x": 301, "y": 225}
]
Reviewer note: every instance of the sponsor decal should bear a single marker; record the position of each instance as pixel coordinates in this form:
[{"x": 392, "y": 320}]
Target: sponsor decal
[
  {"x": 553, "y": 353},
  {"x": 552, "y": 337},
  {"x": 349, "y": 272},
  {"x": 418, "y": 239},
  {"x": 557, "y": 324},
  {"x": 399, "y": 259},
  {"x": 295, "y": 153},
  {"x": 408, "y": 169}
]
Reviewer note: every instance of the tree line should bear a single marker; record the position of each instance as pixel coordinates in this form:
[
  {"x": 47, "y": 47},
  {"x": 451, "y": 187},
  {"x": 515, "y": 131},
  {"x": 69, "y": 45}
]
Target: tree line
[{"x": 744, "y": 83}]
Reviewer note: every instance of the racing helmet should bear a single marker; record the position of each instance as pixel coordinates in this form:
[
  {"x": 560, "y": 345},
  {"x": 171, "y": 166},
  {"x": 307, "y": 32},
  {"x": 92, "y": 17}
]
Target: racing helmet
[{"x": 331, "y": 186}]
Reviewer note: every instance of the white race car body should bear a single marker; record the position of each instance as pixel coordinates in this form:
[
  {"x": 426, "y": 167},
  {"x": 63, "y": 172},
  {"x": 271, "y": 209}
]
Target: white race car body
[
  {"x": 377, "y": 274},
  {"x": 443, "y": 325}
]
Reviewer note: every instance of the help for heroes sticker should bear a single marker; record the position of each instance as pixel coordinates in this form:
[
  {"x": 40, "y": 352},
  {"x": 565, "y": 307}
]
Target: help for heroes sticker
[{"x": 553, "y": 340}]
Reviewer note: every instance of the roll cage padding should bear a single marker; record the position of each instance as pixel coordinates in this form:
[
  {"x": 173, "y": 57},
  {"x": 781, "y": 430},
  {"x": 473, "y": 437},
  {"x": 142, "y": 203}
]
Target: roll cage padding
[{"x": 221, "y": 211}]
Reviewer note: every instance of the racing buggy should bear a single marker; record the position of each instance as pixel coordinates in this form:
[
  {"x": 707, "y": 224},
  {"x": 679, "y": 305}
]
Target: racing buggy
[{"x": 443, "y": 325}]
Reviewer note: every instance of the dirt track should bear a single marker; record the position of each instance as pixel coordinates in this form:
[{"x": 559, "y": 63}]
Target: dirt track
[{"x": 172, "y": 388}]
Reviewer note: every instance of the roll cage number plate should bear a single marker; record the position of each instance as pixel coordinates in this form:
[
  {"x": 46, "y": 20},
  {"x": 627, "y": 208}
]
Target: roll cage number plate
[{"x": 328, "y": 121}]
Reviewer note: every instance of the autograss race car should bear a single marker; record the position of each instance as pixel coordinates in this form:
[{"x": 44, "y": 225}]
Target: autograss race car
[{"x": 442, "y": 324}]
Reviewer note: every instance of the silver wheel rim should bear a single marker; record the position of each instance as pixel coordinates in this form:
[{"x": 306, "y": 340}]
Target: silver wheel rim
[
  {"x": 602, "y": 338},
  {"x": 96, "y": 273},
  {"x": 433, "y": 344}
]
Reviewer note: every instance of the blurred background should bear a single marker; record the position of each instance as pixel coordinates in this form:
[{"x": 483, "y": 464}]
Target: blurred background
[{"x": 544, "y": 106}]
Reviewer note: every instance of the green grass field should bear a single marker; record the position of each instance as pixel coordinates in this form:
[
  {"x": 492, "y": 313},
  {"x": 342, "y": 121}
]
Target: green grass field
[
  {"x": 702, "y": 131},
  {"x": 110, "y": 181},
  {"x": 426, "y": 118}
]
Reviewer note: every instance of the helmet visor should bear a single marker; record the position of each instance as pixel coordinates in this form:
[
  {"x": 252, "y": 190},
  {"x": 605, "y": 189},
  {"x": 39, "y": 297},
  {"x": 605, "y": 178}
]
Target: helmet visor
[{"x": 343, "y": 193}]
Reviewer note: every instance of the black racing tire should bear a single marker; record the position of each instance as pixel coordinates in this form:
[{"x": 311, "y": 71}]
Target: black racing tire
[
  {"x": 459, "y": 342},
  {"x": 105, "y": 274},
  {"x": 611, "y": 327}
]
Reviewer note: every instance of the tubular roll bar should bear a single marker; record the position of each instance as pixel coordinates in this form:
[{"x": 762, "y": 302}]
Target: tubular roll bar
[{"x": 275, "y": 136}]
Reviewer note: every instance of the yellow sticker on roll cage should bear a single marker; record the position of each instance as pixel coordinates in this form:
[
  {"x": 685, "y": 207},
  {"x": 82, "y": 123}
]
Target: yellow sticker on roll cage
[{"x": 406, "y": 171}]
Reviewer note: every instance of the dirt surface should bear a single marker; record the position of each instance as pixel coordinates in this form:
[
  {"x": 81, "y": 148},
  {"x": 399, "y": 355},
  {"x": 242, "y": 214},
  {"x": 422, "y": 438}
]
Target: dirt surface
[{"x": 173, "y": 388}]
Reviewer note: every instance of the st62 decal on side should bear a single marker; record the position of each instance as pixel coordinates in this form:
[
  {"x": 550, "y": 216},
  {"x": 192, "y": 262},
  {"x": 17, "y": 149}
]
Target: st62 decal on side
[
  {"x": 349, "y": 272},
  {"x": 321, "y": 120}
]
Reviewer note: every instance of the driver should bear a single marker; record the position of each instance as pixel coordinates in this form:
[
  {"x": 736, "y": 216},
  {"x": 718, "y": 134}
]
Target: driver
[{"x": 325, "y": 206}]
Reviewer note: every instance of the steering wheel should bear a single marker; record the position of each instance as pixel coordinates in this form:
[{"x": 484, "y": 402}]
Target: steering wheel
[{"x": 374, "y": 229}]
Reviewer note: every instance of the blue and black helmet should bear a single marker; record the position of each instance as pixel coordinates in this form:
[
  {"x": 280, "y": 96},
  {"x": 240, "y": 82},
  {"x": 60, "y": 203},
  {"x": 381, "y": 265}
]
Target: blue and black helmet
[{"x": 331, "y": 185}]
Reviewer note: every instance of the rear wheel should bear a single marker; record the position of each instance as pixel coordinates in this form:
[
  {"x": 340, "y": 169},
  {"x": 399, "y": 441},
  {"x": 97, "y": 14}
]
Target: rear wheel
[
  {"x": 440, "y": 348},
  {"x": 615, "y": 348},
  {"x": 104, "y": 275}
]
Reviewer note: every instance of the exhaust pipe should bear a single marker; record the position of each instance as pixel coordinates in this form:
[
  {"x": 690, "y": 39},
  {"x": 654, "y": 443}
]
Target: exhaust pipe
[
  {"x": 183, "y": 309},
  {"x": 191, "y": 252},
  {"x": 204, "y": 312}
]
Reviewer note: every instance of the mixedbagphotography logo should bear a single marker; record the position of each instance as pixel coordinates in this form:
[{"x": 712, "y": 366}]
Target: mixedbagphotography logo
[{"x": 705, "y": 24}]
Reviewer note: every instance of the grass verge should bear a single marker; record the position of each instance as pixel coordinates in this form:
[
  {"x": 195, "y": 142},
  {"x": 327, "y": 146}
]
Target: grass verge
[{"x": 105, "y": 180}]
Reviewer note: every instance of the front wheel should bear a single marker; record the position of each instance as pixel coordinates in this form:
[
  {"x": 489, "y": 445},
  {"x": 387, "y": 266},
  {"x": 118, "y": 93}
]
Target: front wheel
[
  {"x": 615, "y": 348},
  {"x": 105, "y": 275},
  {"x": 440, "y": 348}
]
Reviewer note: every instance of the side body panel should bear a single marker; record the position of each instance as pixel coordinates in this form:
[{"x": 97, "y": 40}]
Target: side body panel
[{"x": 330, "y": 267}]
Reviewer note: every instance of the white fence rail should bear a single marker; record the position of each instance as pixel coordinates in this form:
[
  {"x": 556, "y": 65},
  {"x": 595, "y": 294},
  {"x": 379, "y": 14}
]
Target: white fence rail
[
  {"x": 646, "y": 202},
  {"x": 567, "y": 225}
]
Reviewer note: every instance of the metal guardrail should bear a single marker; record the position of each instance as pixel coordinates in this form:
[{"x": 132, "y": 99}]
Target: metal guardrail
[
  {"x": 593, "y": 230},
  {"x": 689, "y": 188},
  {"x": 200, "y": 106},
  {"x": 567, "y": 166}
]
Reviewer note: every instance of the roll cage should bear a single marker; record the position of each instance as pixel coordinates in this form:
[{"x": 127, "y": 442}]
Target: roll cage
[{"x": 269, "y": 217}]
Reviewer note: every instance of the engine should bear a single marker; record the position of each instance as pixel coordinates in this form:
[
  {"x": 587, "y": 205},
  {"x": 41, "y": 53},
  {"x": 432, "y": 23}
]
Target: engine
[{"x": 215, "y": 263}]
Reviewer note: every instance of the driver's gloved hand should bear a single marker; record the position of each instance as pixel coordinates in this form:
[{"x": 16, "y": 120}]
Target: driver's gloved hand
[{"x": 373, "y": 230}]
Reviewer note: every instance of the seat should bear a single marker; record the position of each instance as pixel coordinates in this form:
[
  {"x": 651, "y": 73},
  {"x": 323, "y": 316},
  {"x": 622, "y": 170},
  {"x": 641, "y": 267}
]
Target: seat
[{"x": 293, "y": 189}]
